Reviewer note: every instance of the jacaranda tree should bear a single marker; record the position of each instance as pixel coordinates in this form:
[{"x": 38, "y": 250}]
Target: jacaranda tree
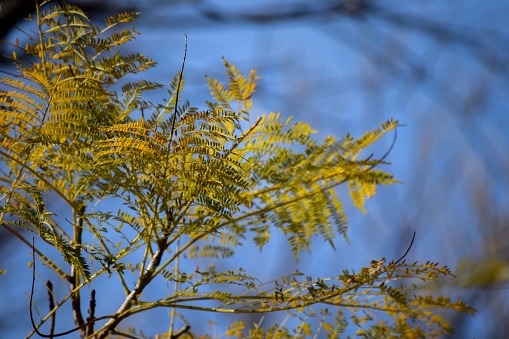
[{"x": 144, "y": 187}]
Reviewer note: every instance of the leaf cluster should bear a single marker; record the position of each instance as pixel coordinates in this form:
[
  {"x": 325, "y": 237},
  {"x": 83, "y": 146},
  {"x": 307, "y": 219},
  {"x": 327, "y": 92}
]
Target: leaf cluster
[{"x": 191, "y": 183}]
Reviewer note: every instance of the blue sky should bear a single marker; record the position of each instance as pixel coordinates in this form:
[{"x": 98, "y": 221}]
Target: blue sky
[{"x": 344, "y": 74}]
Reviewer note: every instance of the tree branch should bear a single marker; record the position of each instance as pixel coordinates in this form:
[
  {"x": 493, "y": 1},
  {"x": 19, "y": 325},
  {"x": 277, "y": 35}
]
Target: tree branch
[{"x": 51, "y": 301}]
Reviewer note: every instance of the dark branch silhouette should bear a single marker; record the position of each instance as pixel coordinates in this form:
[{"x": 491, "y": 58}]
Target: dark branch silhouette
[
  {"x": 34, "y": 326},
  {"x": 407, "y": 250},
  {"x": 51, "y": 300}
]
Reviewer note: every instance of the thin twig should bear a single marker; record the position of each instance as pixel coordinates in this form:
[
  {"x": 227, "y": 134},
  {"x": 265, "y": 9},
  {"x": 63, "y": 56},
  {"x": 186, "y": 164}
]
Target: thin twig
[
  {"x": 382, "y": 159},
  {"x": 183, "y": 331},
  {"x": 91, "y": 314},
  {"x": 174, "y": 118},
  {"x": 75, "y": 276},
  {"x": 177, "y": 95},
  {"x": 175, "y": 288},
  {"x": 407, "y": 250},
  {"x": 143, "y": 281},
  {"x": 51, "y": 300},
  {"x": 32, "y": 301}
]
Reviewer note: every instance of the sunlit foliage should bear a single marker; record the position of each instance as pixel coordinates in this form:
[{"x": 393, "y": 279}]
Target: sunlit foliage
[{"x": 193, "y": 182}]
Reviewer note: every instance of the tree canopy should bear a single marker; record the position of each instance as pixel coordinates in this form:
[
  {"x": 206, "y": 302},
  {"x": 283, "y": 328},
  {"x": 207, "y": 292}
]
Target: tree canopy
[{"x": 190, "y": 182}]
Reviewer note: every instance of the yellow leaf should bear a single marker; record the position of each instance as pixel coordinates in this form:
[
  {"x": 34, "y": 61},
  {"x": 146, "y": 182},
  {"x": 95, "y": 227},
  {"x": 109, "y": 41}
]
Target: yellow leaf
[
  {"x": 327, "y": 327},
  {"x": 307, "y": 329}
]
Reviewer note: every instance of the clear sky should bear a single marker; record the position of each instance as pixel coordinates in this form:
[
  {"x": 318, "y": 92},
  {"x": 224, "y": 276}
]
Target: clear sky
[{"x": 440, "y": 67}]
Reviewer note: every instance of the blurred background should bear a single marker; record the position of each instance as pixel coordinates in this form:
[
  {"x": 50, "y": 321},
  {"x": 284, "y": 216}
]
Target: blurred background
[{"x": 439, "y": 67}]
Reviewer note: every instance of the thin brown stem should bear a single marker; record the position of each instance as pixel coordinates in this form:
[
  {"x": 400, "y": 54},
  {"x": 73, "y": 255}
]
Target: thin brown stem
[
  {"x": 32, "y": 301},
  {"x": 51, "y": 301},
  {"x": 75, "y": 278},
  {"x": 91, "y": 314},
  {"x": 145, "y": 279}
]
